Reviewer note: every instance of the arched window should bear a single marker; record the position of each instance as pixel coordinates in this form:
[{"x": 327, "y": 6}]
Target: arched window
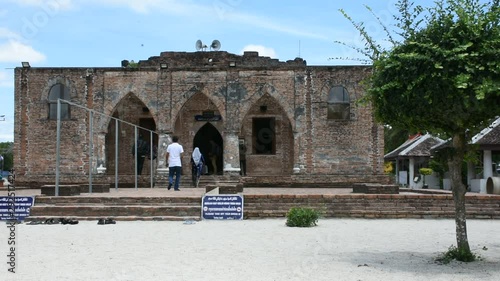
[
  {"x": 338, "y": 103},
  {"x": 58, "y": 91}
]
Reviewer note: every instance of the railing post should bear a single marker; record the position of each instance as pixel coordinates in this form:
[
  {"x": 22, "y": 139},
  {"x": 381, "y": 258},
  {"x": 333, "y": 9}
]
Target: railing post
[
  {"x": 116, "y": 154},
  {"x": 91, "y": 147},
  {"x": 58, "y": 145}
]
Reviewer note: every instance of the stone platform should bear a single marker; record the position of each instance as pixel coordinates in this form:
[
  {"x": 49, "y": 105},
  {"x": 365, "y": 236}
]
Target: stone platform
[{"x": 163, "y": 204}]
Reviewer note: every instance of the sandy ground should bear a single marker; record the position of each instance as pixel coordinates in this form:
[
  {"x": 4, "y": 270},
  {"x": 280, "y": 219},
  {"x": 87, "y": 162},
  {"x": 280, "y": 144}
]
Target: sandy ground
[{"x": 336, "y": 249}]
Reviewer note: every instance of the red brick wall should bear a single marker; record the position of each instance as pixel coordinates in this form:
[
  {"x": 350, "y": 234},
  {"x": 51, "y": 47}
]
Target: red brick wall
[
  {"x": 372, "y": 205},
  {"x": 320, "y": 150}
]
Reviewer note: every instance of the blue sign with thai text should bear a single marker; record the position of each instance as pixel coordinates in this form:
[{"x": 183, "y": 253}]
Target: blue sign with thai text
[
  {"x": 15, "y": 207},
  {"x": 222, "y": 207},
  {"x": 208, "y": 118}
]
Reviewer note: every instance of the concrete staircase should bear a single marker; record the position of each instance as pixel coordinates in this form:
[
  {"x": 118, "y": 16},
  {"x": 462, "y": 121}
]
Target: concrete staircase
[
  {"x": 266, "y": 206},
  {"x": 85, "y": 207},
  {"x": 118, "y": 208}
]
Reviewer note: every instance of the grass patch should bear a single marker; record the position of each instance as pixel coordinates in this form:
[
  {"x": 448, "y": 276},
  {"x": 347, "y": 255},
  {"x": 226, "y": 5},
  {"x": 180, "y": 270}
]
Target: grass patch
[
  {"x": 457, "y": 254},
  {"x": 302, "y": 217}
]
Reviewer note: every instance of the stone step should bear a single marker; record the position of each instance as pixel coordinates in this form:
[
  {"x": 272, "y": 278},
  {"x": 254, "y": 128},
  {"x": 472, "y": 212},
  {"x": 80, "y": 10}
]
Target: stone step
[
  {"x": 117, "y": 218},
  {"x": 113, "y": 211},
  {"x": 75, "y": 200}
]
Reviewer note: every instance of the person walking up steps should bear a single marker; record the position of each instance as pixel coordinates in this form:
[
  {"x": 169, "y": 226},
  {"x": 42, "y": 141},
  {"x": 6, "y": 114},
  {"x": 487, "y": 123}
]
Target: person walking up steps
[
  {"x": 174, "y": 151},
  {"x": 197, "y": 163},
  {"x": 142, "y": 152}
]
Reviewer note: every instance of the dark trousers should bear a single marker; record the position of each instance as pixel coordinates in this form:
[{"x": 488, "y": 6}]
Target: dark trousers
[
  {"x": 243, "y": 167},
  {"x": 140, "y": 164},
  {"x": 174, "y": 171}
]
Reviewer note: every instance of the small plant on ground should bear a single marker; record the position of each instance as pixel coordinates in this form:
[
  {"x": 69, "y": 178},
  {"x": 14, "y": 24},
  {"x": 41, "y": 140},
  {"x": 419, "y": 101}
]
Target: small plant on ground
[
  {"x": 455, "y": 253},
  {"x": 425, "y": 172},
  {"x": 302, "y": 217}
]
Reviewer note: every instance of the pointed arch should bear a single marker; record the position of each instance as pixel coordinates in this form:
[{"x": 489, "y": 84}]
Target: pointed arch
[
  {"x": 267, "y": 130},
  {"x": 197, "y": 94},
  {"x": 339, "y": 101},
  {"x": 131, "y": 110},
  {"x": 272, "y": 92},
  {"x": 211, "y": 144}
]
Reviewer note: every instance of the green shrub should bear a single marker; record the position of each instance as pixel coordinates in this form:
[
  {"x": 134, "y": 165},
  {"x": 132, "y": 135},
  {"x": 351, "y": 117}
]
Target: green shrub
[
  {"x": 425, "y": 171},
  {"x": 302, "y": 217},
  {"x": 455, "y": 253}
]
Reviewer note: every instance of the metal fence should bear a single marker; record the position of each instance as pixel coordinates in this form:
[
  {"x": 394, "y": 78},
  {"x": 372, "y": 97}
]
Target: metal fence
[{"x": 91, "y": 113}]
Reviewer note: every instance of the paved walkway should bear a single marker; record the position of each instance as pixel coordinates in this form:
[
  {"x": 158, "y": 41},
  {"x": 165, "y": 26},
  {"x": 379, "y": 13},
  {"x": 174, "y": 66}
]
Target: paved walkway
[
  {"x": 249, "y": 250},
  {"x": 163, "y": 192}
]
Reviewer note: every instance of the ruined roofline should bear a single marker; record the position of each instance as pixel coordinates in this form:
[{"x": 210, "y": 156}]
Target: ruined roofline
[
  {"x": 219, "y": 59},
  {"x": 207, "y": 60}
]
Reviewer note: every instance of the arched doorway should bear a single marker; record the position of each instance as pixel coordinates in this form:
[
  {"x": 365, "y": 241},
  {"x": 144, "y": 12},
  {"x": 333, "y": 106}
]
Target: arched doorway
[
  {"x": 132, "y": 110},
  {"x": 209, "y": 141},
  {"x": 267, "y": 132}
]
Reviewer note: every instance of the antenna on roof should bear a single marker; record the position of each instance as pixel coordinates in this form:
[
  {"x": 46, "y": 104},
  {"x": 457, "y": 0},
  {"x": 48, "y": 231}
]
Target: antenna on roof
[{"x": 299, "y": 48}]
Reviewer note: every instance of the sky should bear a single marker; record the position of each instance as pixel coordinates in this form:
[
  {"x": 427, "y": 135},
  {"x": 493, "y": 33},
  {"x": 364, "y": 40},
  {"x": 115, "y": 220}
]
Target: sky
[{"x": 102, "y": 33}]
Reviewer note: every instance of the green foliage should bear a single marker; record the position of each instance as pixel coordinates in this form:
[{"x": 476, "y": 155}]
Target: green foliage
[
  {"x": 302, "y": 217},
  {"x": 442, "y": 78},
  {"x": 394, "y": 137},
  {"x": 455, "y": 253},
  {"x": 425, "y": 171},
  {"x": 6, "y": 152},
  {"x": 133, "y": 64},
  {"x": 438, "y": 167}
]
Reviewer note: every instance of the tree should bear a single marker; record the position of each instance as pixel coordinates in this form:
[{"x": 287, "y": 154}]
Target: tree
[
  {"x": 443, "y": 78},
  {"x": 394, "y": 137},
  {"x": 6, "y": 152}
]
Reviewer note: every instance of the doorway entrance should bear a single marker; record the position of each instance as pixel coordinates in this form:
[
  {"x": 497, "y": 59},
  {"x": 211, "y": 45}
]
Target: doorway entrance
[{"x": 209, "y": 141}]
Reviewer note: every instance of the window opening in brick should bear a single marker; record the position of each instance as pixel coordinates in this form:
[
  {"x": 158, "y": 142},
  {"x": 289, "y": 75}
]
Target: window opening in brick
[
  {"x": 59, "y": 91},
  {"x": 338, "y": 104},
  {"x": 264, "y": 136},
  {"x": 208, "y": 113}
]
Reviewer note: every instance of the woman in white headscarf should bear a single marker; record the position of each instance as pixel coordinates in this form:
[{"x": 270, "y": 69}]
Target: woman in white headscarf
[
  {"x": 197, "y": 162},
  {"x": 196, "y": 155}
]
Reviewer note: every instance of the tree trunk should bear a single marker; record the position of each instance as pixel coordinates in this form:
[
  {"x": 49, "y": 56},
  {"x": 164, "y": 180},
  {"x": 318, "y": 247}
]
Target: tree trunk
[{"x": 459, "y": 190}]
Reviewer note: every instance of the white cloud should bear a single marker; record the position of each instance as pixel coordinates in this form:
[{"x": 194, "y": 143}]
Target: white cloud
[
  {"x": 146, "y": 6},
  {"x": 6, "y": 128},
  {"x": 46, "y": 4},
  {"x": 15, "y": 51},
  {"x": 7, "y": 133},
  {"x": 6, "y": 79},
  {"x": 218, "y": 10},
  {"x": 269, "y": 24},
  {"x": 6, "y": 33},
  {"x": 263, "y": 51}
]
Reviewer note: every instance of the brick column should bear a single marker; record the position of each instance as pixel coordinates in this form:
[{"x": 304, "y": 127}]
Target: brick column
[
  {"x": 231, "y": 165},
  {"x": 487, "y": 164},
  {"x": 101, "y": 153},
  {"x": 164, "y": 139},
  {"x": 470, "y": 172},
  {"x": 296, "y": 153},
  {"x": 411, "y": 171},
  {"x": 161, "y": 177}
]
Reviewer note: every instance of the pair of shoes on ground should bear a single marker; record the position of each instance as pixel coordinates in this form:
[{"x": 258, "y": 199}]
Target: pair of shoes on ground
[
  {"x": 106, "y": 221},
  {"x": 68, "y": 221},
  {"x": 51, "y": 221},
  {"x": 54, "y": 221},
  {"x": 170, "y": 187}
]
